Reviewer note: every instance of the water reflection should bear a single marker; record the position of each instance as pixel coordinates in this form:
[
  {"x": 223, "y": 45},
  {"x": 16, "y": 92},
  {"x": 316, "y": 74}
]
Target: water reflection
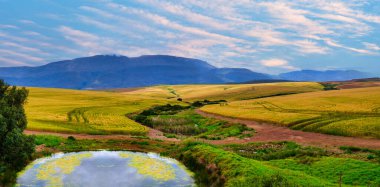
[{"x": 105, "y": 168}]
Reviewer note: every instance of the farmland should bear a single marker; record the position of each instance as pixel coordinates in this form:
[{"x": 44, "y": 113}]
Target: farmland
[
  {"x": 350, "y": 112},
  {"x": 229, "y": 92},
  {"x": 88, "y": 112},
  {"x": 104, "y": 112},
  {"x": 221, "y": 152}
]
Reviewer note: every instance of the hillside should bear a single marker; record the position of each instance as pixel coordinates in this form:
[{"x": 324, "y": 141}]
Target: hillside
[
  {"x": 86, "y": 112},
  {"x": 228, "y": 92},
  {"x": 349, "y": 112},
  {"x": 109, "y": 71}
]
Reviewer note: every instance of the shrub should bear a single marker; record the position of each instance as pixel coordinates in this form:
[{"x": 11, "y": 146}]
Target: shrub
[{"x": 16, "y": 149}]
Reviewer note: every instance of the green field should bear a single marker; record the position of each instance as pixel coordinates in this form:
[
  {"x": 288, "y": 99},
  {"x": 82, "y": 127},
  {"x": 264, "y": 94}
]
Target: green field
[
  {"x": 305, "y": 167},
  {"x": 351, "y": 112}
]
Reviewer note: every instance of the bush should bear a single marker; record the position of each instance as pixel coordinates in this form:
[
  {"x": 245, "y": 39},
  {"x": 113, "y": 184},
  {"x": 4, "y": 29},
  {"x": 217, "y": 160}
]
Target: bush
[
  {"x": 16, "y": 149},
  {"x": 71, "y": 138}
]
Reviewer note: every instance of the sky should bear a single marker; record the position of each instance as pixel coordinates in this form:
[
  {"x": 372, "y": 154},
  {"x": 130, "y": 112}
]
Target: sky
[{"x": 265, "y": 36}]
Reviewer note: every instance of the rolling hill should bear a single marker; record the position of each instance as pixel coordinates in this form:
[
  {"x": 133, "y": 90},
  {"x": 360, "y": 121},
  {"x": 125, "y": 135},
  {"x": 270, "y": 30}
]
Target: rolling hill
[{"x": 348, "y": 112}]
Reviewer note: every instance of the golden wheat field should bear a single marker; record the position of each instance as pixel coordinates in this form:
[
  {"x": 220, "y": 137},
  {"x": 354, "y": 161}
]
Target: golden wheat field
[
  {"x": 351, "y": 112},
  {"x": 91, "y": 112},
  {"x": 230, "y": 92}
]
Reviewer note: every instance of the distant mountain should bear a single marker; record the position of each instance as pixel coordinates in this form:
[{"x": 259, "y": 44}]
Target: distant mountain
[
  {"x": 320, "y": 76},
  {"x": 110, "y": 71}
]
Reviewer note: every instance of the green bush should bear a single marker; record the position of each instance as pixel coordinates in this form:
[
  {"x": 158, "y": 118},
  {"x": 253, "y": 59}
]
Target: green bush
[
  {"x": 16, "y": 149},
  {"x": 48, "y": 140}
]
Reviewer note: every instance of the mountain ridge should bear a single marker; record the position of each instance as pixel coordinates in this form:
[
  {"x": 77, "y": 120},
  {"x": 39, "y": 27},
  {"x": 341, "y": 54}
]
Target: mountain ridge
[
  {"x": 111, "y": 71},
  {"x": 115, "y": 71}
]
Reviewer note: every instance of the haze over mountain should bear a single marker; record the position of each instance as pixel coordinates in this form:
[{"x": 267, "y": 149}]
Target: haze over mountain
[
  {"x": 110, "y": 71},
  {"x": 330, "y": 75}
]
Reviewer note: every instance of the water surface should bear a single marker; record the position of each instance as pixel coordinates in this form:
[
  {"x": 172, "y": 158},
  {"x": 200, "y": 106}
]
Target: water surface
[{"x": 105, "y": 168}]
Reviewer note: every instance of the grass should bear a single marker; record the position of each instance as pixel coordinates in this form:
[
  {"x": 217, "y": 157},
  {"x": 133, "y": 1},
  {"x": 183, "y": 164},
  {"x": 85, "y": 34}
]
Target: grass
[
  {"x": 224, "y": 168},
  {"x": 90, "y": 112},
  {"x": 352, "y": 172},
  {"x": 351, "y": 112},
  {"x": 54, "y": 144}
]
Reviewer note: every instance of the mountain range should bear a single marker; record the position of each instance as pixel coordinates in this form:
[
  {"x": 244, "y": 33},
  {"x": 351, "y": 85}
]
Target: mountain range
[{"x": 112, "y": 71}]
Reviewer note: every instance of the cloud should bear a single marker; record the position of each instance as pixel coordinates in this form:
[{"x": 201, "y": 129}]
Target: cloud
[
  {"x": 10, "y": 62},
  {"x": 280, "y": 63},
  {"x": 28, "y": 22},
  {"x": 81, "y": 38},
  {"x": 26, "y": 57},
  {"x": 188, "y": 14},
  {"x": 8, "y": 26},
  {"x": 274, "y": 62},
  {"x": 23, "y": 48},
  {"x": 371, "y": 46},
  {"x": 294, "y": 19},
  {"x": 336, "y": 44}
]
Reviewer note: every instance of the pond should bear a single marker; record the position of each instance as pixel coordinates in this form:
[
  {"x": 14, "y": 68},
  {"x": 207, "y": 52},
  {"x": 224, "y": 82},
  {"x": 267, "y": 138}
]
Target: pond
[{"x": 105, "y": 168}]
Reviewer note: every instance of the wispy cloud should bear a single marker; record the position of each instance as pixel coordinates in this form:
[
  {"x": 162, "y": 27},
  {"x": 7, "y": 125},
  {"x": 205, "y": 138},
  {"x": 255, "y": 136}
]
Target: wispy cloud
[
  {"x": 11, "y": 62},
  {"x": 371, "y": 46},
  {"x": 247, "y": 33}
]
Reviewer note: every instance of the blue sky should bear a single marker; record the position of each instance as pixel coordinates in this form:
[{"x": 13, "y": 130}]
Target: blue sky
[{"x": 264, "y": 36}]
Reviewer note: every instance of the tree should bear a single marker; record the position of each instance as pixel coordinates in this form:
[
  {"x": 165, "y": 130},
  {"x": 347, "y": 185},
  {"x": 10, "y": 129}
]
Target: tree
[{"x": 16, "y": 149}]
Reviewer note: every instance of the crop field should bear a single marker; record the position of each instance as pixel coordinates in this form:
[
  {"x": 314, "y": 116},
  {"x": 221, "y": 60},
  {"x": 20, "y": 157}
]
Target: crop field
[
  {"x": 350, "y": 112},
  {"x": 104, "y": 112},
  {"x": 89, "y": 112},
  {"x": 229, "y": 92}
]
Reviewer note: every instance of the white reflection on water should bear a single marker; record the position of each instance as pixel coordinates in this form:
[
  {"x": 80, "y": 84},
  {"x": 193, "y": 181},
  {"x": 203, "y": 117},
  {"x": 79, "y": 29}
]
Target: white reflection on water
[{"x": 105, "y": 168}]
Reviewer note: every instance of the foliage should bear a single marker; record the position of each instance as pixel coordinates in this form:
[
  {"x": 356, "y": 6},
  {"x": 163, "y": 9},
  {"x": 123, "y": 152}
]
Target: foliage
[
  {"x": 182, "y": 120},
  {"x": 372, "y": 154},
  {"x": 274, "y": 150},
  {"x": 15, "y": 148},
  {"x": 329, "y": 86},
  {"x": 48, "y": 140}
]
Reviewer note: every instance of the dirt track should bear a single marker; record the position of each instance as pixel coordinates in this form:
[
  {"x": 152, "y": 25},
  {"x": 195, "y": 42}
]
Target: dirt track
[
  {"x": 154, "y": 134},
  {"x": 81, "y": 136},
  {"x": 268, "y": 132}
]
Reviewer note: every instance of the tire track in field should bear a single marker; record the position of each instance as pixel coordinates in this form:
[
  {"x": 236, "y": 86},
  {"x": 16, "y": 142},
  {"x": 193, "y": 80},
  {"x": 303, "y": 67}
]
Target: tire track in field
[{"x": 266, "y": 132}]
